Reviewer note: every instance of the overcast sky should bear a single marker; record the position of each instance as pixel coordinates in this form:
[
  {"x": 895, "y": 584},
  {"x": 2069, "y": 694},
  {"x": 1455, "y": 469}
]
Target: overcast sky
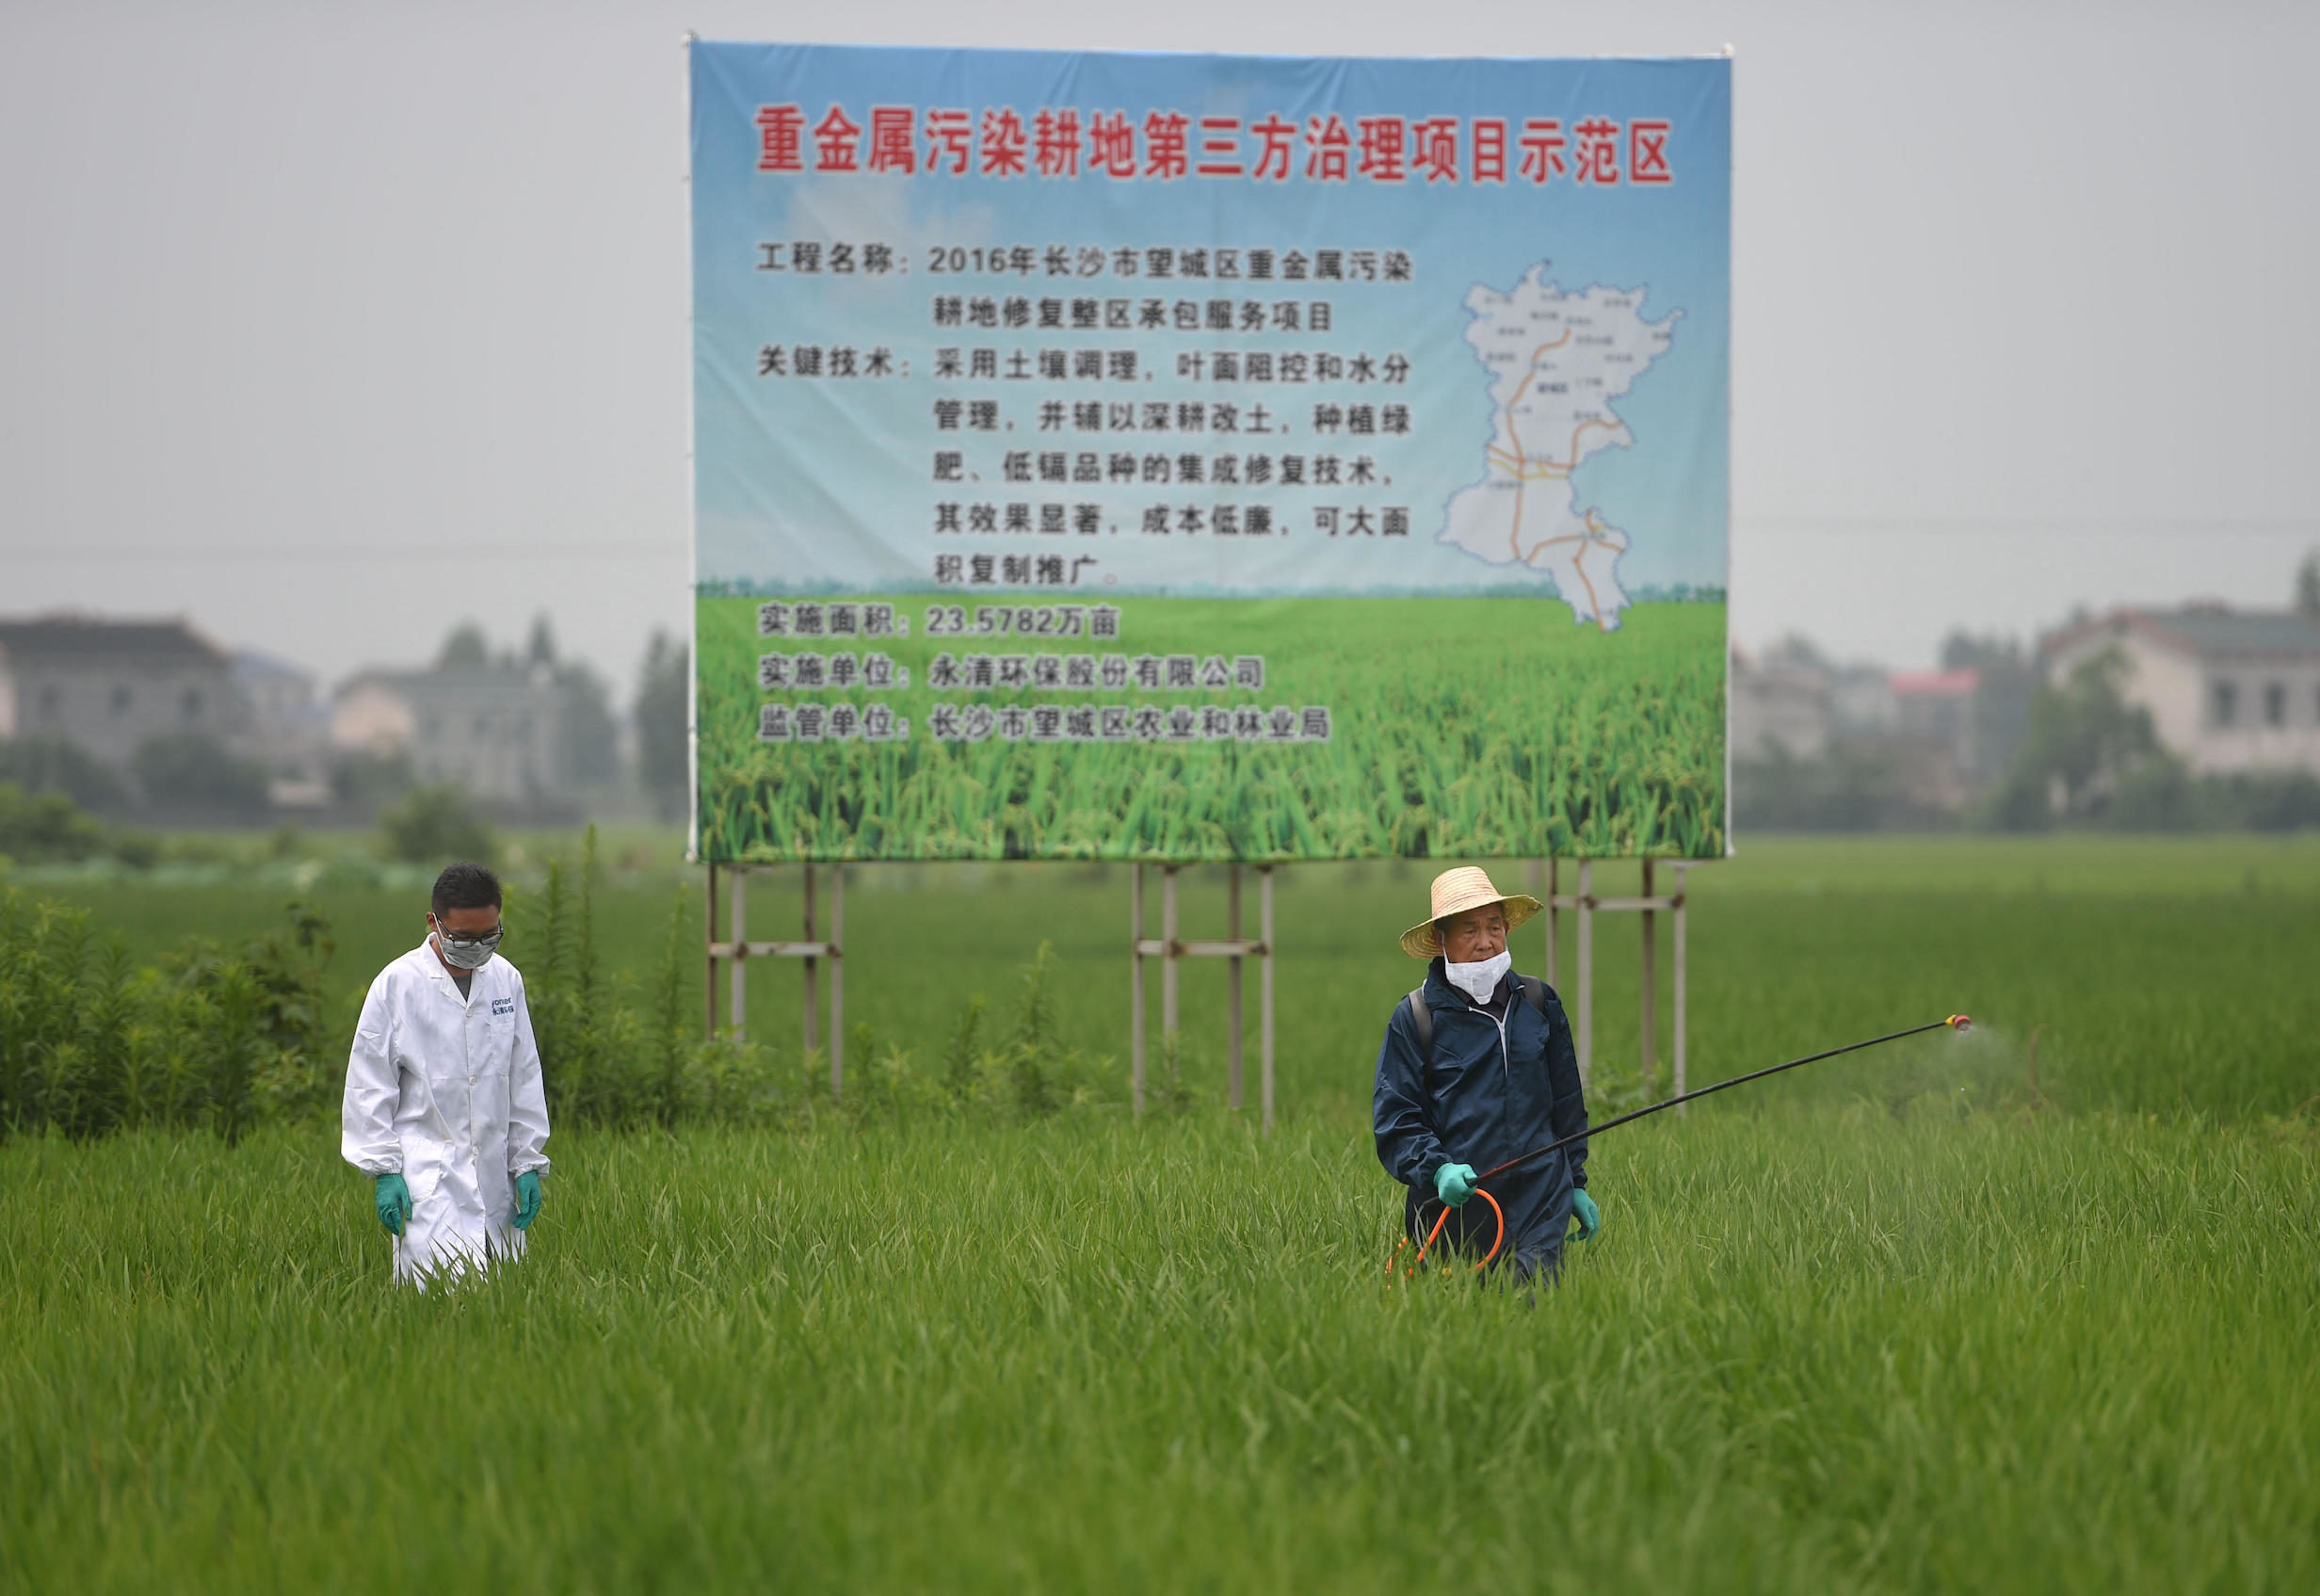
[{"x": 330, "y": 324}]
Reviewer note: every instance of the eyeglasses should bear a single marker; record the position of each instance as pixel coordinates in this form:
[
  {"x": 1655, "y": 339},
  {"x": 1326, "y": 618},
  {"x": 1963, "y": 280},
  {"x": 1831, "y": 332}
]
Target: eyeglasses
[{"x": 483, "y": 943}]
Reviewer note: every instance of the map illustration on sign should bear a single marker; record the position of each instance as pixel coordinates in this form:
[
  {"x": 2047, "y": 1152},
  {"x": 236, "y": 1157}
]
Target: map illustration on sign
[{"x": 1557, "y": 363}]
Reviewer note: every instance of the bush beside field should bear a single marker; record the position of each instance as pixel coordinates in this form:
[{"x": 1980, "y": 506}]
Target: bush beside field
[
  {"x": 224, "y": 1037},
  {"x": 2145, "y": 974}
]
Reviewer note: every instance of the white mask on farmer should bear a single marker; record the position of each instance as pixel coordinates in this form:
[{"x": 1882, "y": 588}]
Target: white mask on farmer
[{"x": 1480, "y": 979}]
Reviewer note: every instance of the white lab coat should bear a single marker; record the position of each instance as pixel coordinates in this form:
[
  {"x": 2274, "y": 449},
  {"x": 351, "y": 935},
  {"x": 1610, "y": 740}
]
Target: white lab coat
[{"x": 445, "y": 1090}]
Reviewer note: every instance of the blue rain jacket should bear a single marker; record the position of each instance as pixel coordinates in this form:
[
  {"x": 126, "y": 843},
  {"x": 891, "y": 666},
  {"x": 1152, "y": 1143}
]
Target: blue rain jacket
[{"x": 1487, "y": 1094}]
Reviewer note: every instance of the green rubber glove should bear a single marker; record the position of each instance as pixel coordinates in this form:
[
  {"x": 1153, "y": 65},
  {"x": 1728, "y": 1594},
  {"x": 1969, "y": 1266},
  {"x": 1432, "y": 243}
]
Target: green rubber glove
[
  {"x": 1590, "y": 1217},
  {"x": 1453, "y": 1183},
  {"x": 528, "y": 1197},
  {"x": 393, "y": 1199}
]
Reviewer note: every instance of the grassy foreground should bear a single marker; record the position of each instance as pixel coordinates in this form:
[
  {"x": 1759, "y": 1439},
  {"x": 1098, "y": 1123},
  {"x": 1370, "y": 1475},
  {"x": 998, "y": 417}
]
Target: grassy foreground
[
  {"x": 1833, "y": 1349},
  {"x": 2031, "y": 1309}
]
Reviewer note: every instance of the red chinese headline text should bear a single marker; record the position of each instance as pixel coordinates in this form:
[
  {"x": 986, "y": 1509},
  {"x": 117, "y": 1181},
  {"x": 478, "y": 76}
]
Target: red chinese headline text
[{"x": 904, "y": 140}]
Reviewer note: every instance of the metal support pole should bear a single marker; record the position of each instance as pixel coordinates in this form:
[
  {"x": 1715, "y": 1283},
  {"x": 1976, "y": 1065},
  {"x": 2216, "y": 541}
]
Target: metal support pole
[
  {"x": 1683, "y": 897},
  {"x": 739, "y": 949},
  {"x": 739, "y": 964},
  {"x": 1533, "y": 883},
  {"x": 837, "y": 981},
  {"x": 1647, "y": 1047},
  {"x": 1555, "y": 919},
  {"x": 1135, "y": 982},
  {"x": 1167, "y": 960},
  {"x": 1169, "y": 947},
  {"x": 1233, "y": 1003},
  {"x": 708, "y": 981},
  {"x": 809, "y": 962},
  {"x": 1265, "y": 930},
  {"x": 1587, "y": 967}
]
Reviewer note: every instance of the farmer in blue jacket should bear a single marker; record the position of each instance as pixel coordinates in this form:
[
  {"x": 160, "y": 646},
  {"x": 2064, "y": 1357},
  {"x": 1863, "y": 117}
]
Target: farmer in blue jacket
[{"x": 1482, "y": 1073}]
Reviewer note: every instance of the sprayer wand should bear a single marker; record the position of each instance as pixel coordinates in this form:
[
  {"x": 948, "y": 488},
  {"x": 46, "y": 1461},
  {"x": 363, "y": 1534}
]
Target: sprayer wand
[{"x": 1955, "y": 1023}]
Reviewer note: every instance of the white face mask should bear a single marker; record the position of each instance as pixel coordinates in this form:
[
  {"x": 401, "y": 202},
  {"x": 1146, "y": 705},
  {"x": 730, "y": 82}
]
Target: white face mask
[
  {"x": 466, "y": 953},
  {"x": 1479, "y": 981}
]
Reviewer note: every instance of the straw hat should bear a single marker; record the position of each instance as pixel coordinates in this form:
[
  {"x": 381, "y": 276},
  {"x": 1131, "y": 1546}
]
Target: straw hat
[{"x": 1456, "y": 891}]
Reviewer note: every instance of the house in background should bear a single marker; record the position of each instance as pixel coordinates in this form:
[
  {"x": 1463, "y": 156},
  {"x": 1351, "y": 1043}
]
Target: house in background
[
  {"x": 111, "y": 686},
  {"x": 1933, "y": 714},
  {"x": 502, "y": 730},
  {"x": 289, "y": 728},
  {"x": 1936, "y": 708},
  {"x": 2228, "y": 690},
  {"x": 1937, "y": 733},
  {"x": 371, "y": 713},
  {"x": 516, "y": 733},
  {"x": 1861, "y": 701},
  {"x": 1781, "y": 704}
]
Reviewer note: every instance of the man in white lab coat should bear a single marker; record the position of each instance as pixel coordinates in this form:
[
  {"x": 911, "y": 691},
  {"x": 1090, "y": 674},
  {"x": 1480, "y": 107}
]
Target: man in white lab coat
[{"x": 445, "y": 1109}]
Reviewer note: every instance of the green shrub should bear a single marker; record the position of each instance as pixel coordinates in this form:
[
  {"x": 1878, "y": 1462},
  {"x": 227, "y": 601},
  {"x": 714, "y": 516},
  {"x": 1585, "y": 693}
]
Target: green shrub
[
  {"x": 227, "y": 1037},
  {"x": 1028, "y": 1076},
  {"x": 188, "y": 772},
  {"x": 368, "y": 782},
  {"x": 139, "y": 851},
  {"x": 618, "y": 1058},
  {"x": 605, "y": 1062},
  {"x": 436, "y": 825},
  {"x": 56, "y": 764},
  {"x": 45, "y": 828},
  {"x": 217, "y": 1037}
]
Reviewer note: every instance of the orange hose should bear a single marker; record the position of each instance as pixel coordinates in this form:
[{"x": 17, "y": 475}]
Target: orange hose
[{"x": 1498, "y": 1241}]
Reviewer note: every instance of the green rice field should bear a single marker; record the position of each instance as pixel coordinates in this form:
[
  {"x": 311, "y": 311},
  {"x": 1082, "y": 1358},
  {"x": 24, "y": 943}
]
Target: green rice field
[
  {"x": 1489, "y": 726},
  {"x": 2036, "y": 1309}
]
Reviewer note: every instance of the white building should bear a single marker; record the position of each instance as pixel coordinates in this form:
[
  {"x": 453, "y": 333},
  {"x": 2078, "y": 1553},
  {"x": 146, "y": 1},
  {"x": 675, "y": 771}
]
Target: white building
[
  {"x": 502, "y": 732},
  {"x": 2228, "y": 690},
  {"x": 289, "y": 729}
]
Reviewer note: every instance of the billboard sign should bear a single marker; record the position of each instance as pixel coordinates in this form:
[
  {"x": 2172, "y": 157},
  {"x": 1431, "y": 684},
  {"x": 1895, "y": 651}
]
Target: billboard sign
[{"x": 1208, "y": 458}]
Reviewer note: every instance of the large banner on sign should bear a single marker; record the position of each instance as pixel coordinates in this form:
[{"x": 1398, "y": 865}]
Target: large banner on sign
[{"x": 1208, "y": 458}]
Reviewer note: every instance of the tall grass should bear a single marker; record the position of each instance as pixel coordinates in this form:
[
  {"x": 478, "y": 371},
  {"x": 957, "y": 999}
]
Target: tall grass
[
  {"x": 1813, "y": 1349},
  {"x": 1485, "y": 727},
  {"x": 2031, "y": 1309},
  {"x": 617, "y": 1054}
]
